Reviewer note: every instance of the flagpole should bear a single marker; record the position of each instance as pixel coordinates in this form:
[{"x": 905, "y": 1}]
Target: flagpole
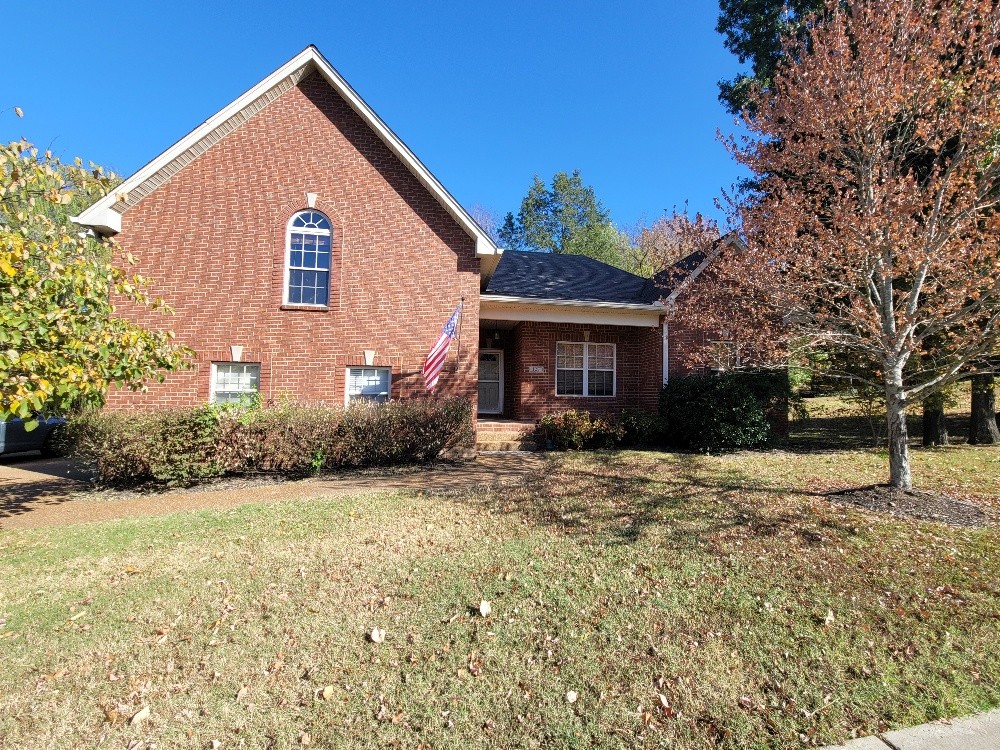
[{"x": 461, "y": 314}]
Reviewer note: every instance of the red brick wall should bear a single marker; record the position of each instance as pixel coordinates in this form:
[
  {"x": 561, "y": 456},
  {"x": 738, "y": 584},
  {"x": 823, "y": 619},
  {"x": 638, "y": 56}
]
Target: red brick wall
[
  {"x": 638, "y": 368},
  {"x": 213, "y": 239},
  {"x": 684, "y": 343}
]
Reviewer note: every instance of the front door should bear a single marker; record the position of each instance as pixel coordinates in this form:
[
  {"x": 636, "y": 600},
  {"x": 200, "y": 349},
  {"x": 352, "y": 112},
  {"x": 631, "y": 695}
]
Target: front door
[{"x": 490, "y": 381}]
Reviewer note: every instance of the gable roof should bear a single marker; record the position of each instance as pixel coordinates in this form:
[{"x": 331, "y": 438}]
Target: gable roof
[
  {"x": 554, "y": 276},
  {"x": 673, "y": 279},
  {"x": 105, "y": 214}
]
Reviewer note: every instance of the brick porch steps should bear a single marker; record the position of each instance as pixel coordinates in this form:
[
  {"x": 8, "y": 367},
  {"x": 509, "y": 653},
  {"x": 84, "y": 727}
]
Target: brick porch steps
[{"x": 506, "y": 435}]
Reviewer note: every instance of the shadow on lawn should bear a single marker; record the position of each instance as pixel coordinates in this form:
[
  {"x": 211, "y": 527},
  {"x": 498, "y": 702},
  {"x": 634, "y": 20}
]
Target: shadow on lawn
[
  {"x": 680, "y": 498},
  {"x": 837, "y": 433}
]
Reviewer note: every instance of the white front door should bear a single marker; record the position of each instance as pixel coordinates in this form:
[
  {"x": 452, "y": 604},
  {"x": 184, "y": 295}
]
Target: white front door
[{"x": 490, "y": 381}]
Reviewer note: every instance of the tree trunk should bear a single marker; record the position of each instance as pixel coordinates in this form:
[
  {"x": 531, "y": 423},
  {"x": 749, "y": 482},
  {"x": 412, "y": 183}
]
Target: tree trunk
[
  {"x": 983, "y": 424},
  {"x": 899, "y": 449},
  {"x": 935, "y": 429}
]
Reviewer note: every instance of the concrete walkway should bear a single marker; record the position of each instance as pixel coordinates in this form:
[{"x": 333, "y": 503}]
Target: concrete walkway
[
  {"x": 980, "y": 732},
  {"x": 38, "y": 492}
]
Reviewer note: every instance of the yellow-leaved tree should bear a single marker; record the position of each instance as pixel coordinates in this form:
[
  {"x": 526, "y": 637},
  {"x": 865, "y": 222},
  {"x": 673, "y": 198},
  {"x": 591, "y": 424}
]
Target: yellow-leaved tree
[{"x": 62, "y": 344}]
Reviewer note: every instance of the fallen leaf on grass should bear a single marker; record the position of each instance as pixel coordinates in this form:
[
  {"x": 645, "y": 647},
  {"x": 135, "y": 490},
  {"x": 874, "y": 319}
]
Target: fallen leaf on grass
[
  {"x": 242, "y": 694},
  {"x": 475, "y": 665},
  {"x": 139, "y": 716}
]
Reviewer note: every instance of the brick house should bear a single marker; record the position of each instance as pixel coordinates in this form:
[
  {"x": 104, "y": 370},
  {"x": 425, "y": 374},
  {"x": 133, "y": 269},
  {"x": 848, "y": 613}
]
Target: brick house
[{"x": 307, "y": 253}]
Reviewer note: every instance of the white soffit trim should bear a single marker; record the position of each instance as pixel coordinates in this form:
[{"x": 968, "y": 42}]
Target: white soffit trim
[
  {"x": 497, "y": 307},
  {"x": 103, "y": 216}
]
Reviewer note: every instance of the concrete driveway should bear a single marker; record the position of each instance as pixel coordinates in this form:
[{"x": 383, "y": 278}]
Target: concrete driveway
[{"x": 38, "y": 492}]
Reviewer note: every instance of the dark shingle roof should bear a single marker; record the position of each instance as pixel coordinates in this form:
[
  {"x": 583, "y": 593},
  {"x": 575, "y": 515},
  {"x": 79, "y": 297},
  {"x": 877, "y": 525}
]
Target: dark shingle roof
[
  {"x": 671, "y": 277},
  {"x": 568, "y": 277}
]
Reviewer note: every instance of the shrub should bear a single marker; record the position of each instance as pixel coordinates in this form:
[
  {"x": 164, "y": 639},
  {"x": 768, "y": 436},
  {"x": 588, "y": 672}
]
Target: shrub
[
  {"x": 181, "y": 446},
  {"x": 640, "y": 427},
  {"x": 401, "y": 432},
  {"x": 732, "y": 411},
  {"x": 289, "y": 439},
  {"x": 130, "y": 448},
  {"x": 574, "y": 430}
]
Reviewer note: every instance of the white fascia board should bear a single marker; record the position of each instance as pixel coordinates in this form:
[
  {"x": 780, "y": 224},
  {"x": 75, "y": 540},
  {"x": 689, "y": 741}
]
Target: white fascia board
[
  {"x": 510, "y": 300},
  {"x": 97, "y": 215},
  {"x": 104, "y": 221},
  {"x": 517, "y": 309}
]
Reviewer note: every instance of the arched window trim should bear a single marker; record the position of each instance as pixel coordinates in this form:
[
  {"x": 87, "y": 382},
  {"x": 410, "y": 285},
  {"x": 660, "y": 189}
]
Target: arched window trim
[{"x": 310, "y": 226}]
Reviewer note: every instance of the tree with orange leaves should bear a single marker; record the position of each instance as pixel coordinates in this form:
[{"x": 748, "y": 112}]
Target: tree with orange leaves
[{"x": 871, "y": 224}]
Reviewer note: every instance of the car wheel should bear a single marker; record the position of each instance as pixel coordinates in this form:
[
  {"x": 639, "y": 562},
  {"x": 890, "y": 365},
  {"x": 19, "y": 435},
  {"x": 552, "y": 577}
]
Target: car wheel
[{"x": 53, "y": 447}]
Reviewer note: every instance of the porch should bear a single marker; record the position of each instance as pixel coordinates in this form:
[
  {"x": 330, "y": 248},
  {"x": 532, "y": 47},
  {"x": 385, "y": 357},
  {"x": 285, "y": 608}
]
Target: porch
[
  {"x": 507, "y": 435},
  {"x": 528, "y": 369}
]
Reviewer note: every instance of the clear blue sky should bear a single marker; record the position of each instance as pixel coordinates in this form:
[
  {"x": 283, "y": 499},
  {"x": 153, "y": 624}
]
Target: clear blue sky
[{"x": 487, "y": 94}]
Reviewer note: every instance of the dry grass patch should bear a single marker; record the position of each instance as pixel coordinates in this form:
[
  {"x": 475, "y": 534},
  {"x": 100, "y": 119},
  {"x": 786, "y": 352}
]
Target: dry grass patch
[{"x": 688, "y": 601}]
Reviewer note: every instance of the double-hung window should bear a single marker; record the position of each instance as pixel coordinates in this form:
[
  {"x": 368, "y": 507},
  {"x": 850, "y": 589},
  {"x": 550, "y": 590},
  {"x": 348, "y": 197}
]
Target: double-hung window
[
  {"x": 585, "y": 369},
  {"x": 368, "y": 384},
  {"x": 308, "y": 259},
  {"x": 232, "y": 381}
]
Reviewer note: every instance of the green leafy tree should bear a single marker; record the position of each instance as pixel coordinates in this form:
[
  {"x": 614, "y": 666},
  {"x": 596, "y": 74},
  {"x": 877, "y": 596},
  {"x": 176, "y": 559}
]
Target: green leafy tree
[
  {"x": 756, "y": 31},
  {"x": 602, "y": 242},
  {"x": 563, "y": 217},
  {"x": 61, "y": 342}
]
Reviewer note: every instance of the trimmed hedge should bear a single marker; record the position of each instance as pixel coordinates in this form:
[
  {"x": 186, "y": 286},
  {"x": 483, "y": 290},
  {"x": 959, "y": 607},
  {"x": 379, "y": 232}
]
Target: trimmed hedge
[
  {"x": 726, "y": 412},
  {"x": 181, "y": 446}
]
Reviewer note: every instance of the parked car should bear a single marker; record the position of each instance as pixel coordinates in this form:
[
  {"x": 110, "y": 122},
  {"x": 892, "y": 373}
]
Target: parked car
[{"x": 14, "y": 438}]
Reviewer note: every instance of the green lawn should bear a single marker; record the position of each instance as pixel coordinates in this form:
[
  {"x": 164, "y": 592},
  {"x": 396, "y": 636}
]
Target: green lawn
[{"x": 688, "y": 601}]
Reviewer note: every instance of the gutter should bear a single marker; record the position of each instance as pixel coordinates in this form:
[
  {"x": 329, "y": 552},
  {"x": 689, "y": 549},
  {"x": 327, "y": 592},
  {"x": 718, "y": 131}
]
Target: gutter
[{"x": 503, "y": 299}]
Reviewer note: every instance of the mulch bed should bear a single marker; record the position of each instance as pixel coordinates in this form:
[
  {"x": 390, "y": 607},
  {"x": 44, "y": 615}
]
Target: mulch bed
[{"x": 925, "y": 506}]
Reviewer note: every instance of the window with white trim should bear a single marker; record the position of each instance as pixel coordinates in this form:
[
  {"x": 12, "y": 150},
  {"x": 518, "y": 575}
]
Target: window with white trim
[
  {"x": 369, "y": 384},
  {"x": 232, "y": 381},
  {"x": 307, "y": 260},
  {"x": 585, "y": 369}
]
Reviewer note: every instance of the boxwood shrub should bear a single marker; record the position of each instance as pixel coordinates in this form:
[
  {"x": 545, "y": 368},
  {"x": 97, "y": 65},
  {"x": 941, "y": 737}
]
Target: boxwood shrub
[
  {"x": 180, "y": 446},
  {"x": 725, "y": 412}
]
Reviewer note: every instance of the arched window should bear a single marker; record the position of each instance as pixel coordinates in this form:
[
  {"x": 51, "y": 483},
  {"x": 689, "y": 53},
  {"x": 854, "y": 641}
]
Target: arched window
[{"x": 308, "y": 259}]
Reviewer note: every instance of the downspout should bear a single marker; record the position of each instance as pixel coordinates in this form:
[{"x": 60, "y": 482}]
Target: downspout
[{"x": 666, "y": 352}]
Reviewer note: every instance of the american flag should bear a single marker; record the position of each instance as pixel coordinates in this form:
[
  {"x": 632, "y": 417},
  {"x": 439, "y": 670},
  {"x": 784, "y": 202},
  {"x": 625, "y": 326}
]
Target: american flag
[{"x": 436, "y": 357}]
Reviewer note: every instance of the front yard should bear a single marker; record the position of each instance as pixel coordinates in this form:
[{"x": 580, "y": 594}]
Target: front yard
[{"x": 687, "y": 601}]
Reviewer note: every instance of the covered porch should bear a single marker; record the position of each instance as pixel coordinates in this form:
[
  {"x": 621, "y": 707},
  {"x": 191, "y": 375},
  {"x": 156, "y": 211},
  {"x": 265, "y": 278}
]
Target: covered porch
[{"x": 536, "y": 359}]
